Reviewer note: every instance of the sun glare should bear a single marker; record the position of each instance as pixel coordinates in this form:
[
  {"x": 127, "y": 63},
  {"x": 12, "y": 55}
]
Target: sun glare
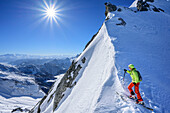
[{"x": 51, "y": 12}]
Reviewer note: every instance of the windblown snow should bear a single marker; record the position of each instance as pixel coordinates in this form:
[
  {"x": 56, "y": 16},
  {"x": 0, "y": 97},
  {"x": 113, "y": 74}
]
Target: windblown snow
[{"x": 143, "y": 41}]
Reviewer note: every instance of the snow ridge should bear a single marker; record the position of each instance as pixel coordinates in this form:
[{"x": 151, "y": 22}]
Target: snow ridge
[
  {"x": 93, "y": 77},
  {"x": 142, "y": 41}
]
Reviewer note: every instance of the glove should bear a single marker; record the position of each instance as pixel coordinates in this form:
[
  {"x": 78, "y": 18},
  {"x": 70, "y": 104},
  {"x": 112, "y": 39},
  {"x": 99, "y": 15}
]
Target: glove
[
  {"x": 125, "y": 70},
  {"x": 134, "y": 83}
]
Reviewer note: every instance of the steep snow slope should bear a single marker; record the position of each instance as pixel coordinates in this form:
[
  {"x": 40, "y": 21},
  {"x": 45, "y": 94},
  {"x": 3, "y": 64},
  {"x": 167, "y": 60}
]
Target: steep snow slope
[
  {"x": 46, "y": 103},
  {"x": 100, "y": 68},
  {"x": 142, "y": 41}
]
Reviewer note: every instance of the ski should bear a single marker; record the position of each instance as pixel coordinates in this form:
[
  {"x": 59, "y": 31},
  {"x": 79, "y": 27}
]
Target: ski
[
  {"x": 147, "y": 107},
  {"x": 121, "y": 97},
  {"x": 126, "y": 96},
  {"x": 141, "y": 104}
]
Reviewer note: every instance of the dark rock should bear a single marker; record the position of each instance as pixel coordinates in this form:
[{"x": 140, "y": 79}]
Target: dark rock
[
  {"x": 119, "y": 9},
  {"x": 66, "y": 82},
  {"x": 17, "y": 109},
  {"x": 109, "y": 8},
  {"x": 107, "y": 18},
  {"x": 83, "y": 60},
  {"x": 142, "y": 6},
  {"x": 40, "y": 102},
  {"x": 122, "y": 22}
]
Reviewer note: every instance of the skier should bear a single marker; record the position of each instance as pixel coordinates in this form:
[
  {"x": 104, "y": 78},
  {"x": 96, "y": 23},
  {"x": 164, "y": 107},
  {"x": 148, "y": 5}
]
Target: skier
[{"x": 135, "y": 82}]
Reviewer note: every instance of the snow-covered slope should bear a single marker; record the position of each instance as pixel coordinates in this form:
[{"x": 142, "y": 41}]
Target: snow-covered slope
[
  {"x": 23, "y": 82},
  {"x": 18, "y": 91},
  {"x": 21, "y": 104},
  {"x": 39, "y": 69},
  {"x": 13, "y": 83},
  {"x": 143, "y": 40}
]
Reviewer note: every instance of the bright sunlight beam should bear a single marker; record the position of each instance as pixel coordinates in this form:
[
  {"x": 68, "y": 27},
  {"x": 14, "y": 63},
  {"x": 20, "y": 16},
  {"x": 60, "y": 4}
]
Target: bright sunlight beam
[{"x": 51, "y": 12}]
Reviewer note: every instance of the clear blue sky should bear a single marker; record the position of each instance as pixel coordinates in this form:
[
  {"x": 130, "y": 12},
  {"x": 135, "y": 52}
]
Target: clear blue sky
[{"x": 23, "y": 32}]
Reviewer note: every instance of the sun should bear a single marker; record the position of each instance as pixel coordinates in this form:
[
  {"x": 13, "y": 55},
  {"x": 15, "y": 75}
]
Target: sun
[{"x": 51, "y": 12}]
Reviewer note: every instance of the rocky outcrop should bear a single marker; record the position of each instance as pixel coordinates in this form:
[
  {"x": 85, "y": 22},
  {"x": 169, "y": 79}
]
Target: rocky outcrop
[
  {"x": 19, "y": 109},
  {"x": 83, "y": 60},
  {"x": 141, "y": 6},
  {"x": 123, "y": 23},
  {"x": 68, "y": 81},
  {"x": 58, "y": 91},
  {"x": 109, "y": 8},
  {"x": 119, "y": 9},
  {"x": 145, "y": 6}
]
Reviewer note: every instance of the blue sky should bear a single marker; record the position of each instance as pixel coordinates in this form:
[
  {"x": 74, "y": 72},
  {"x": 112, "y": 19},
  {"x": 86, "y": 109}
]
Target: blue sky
[{"x": 23, "y": 32}]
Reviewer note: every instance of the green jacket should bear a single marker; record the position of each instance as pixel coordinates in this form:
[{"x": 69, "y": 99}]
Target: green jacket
[{"x": 134, "y": 75}]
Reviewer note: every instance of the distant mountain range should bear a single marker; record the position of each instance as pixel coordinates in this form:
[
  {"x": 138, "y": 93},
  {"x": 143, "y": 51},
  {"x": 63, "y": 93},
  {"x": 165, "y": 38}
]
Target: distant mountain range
[
  {"x": 37, "y": 69},
  {"x": 25, "y": 78},
  {"x": 12, "y": 57}
]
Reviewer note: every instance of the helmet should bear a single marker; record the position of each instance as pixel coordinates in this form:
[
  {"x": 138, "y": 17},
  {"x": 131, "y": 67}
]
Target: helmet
[{"x": 131, "y": 66}]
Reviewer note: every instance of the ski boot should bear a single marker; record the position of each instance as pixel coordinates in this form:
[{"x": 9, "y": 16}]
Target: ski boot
[
  {"x": 140, "y": 102},
  {"x": 132, "y": 97}
]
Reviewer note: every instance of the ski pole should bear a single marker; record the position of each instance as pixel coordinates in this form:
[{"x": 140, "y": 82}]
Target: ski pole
[{"x": 124, "y": 75}]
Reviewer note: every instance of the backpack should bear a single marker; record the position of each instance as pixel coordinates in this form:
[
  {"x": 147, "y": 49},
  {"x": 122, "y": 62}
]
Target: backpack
[{"x": 139, "y": 75}]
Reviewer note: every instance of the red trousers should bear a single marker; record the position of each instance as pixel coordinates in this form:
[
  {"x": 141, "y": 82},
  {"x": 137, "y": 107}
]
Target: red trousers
[{"x": 136, "y": 90}]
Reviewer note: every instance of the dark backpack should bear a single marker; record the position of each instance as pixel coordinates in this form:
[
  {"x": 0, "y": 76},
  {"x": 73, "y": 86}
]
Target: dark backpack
[{"x": 139, "y": 75}]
